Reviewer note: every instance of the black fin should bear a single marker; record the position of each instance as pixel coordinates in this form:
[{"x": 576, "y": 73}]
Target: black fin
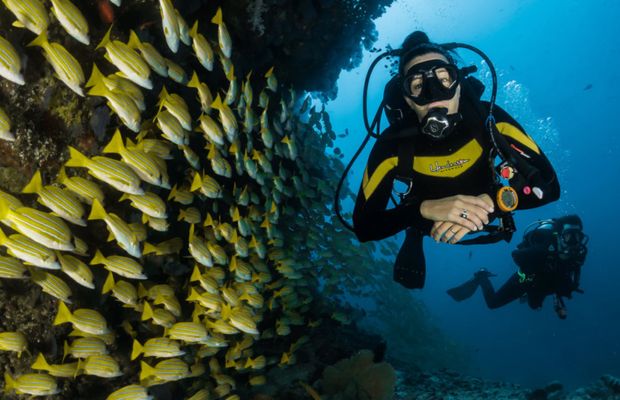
[{"x": 465, "y": 290}]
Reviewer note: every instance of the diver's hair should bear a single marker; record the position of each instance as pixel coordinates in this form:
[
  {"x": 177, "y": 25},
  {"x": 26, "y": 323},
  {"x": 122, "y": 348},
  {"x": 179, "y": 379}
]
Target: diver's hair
[
  {"x": 416, "y": 44},
  {"x": 571, "y": 219}
]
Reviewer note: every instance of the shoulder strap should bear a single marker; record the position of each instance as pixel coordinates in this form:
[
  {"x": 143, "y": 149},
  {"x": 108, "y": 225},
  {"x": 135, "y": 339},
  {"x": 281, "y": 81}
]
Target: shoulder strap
[{"x": 404, "y": 168}]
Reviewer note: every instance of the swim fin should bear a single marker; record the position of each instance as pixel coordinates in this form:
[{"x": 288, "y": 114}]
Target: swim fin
[
  {"x": 465, "y": 290},
  {"x": 410, "y": 264}
]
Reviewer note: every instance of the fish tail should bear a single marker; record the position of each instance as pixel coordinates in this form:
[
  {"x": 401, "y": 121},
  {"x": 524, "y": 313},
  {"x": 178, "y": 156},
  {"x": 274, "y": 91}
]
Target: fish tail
[
  {"x": 196, "y": 275},
  {"x": 182, "y": 215},
  {"x": 196, "y": 183},
  {"x": 9, "y": 382},
  {"x": 194, "y": 31},
  {"x": 35, "y": 185},
  {"x": 76, "y": 159},
  {"x": 217, "y": 19},
  {"x": 269, "y": 72},
  {"x": 149, "y": 248},
  {"x": 66, "y": 350},
  {"x": 105, "y": 40},
  {"x": 134, "y": 41},
  {"x": 194, "y": 82},
  {"x": 191, "y": 232},
  {"x": 62, "y": 175},
  {"x": 124, "y": 197},
  {"x": 116, "y": 144},
  {"x": 40, "y": 40},
  {"x": 136, "y": 350},
  {"x": 173, "y": 192},
  {"x": 193, "y": 295},
  {"x": 40, "y": 363},
  {"x": 96, "y": 77},
  {"x": 98, "y": 258},
  {"x": 147, "y": 313},
  {"x": 217, "y": 103},
  {"x": 97, "y": 212},
  {"x": 80, "y": 367},
  {"x": 108, "y": 284},
  {"x": 4, "y": 209},
  {"x": 63, "y": 315},
  {"x": 3, "y": 237},
  {"x": 146, "y": 371}
]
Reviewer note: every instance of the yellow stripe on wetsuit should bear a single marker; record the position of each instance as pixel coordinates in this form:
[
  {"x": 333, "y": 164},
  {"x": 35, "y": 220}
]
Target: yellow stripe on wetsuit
[
  {"x": 515, "y": 133},
  {"x": 369, "y": 185},
  {"x": 451, "y": 165}
]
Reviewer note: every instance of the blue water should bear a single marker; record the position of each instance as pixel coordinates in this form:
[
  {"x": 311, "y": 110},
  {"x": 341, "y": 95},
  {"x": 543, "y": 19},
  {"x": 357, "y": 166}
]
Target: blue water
[{"x": 547, "y": 53}]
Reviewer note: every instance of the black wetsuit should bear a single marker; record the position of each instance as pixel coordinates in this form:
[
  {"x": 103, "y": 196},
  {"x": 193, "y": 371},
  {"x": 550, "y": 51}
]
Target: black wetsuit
[
  {"x": 458, "y": 164},
  {"x": 543, "y": 274}
]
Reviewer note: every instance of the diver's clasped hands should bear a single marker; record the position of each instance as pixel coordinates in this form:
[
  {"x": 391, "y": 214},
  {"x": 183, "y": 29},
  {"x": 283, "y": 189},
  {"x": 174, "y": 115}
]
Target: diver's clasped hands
[{"x": 456, "y": 216}]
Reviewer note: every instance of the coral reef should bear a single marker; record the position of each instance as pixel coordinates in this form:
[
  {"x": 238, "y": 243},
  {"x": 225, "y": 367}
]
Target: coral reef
[{"x": 359, "y": 377}]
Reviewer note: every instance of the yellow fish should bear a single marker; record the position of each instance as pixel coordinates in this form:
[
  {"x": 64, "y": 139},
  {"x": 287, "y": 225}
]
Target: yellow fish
[
  {"x": 84, "y": 347},
  {"x": 119, "y": 102},
  {"x": 115, "y": 173},
  {"x": 170, "y": 24},
  {"x": 202, "y": 48},
  {"x": 43, "y": 228},
  {"x": 102, "y": 365},
  {"x": 29, "y": 251},
  {"x": 204, "y": 93},
  {"x": 182, "y": 196},
  {"x": 272, "y": 81},
  {"x": 169, "y": 370},
  {"x": 160, "y": 316},
  {"x": 51, "y": 284},
  {"x": 87, "y": 320},
  {"x": 223, "y": 36},
  {"x": 30, "y": 14},
  {"x": 176, "y": 73},
  {"x": 150, "y": 54},
  {"x": 10, "y": 62},
  {"x": 171, "y": 128},
  {"x": 124, "y": 235},
  {"x": 67, "y": 68},
  {"x": 170, "y": 246},
  {"x": 123, "y": 291},
  {"x": 143, "y": 164},
  {"x": 71, "y": 18},
  {"x": 57, "y": 370},
  {"x": 149, "y": 203},
  {"x": 130, "y": 64},
  {"x": 13, "y": 341},
  {"x": 227, "y": 117},
  {"x": 130, "y": 392},
  {"x": 211, "y": 130},
  {"x": 189, "y": 332},
  {"x": 123, "y": 266},
  {"x": 5, "y": 124},
  {"x": 207, "y": 186},
  {"x": 32, "y": 384},
  {"x": 157, "y": 347},
  {"x": 12, "y": 268},
  {"x": 177, "y": 107},
  {"x": 76, "y": 269},
  {"x": 60, "y": 201},
  {"x": 85, "y": 189}
]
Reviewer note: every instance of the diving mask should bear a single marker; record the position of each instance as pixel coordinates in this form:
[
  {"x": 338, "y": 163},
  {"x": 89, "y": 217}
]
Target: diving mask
[
  {"x": 572, "y": 236},
  {"x": 431, "y": 81}
]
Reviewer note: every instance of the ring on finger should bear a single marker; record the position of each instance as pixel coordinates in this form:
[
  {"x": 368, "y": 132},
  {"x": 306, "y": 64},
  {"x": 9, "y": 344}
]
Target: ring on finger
[{"x": 464, "y": 214}]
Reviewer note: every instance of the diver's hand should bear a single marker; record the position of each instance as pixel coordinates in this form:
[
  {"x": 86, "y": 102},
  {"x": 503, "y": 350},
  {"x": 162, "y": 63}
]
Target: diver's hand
[
  {"x": 448, "y": 232},
  {"x": 450, "y": 209}
]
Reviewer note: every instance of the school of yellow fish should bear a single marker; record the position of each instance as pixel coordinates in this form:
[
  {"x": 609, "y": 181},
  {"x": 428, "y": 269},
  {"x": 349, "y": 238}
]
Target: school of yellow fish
[{"x": 255, "y": 203}]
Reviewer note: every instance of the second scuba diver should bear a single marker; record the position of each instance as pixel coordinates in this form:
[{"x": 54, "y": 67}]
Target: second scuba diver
[
  {"x": 549, "y": 258},
  {"x": 439, "y": 146}
]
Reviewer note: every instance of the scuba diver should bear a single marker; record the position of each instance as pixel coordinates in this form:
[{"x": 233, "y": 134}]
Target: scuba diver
[
  {"x": 442, "y": 143},
  {"x": 549, "y": 258}
]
